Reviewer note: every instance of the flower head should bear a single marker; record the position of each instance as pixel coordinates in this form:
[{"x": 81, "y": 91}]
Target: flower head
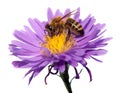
[{"x": 36, "y": 49}]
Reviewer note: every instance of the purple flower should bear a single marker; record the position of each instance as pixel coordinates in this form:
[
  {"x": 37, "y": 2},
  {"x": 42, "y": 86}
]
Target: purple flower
[{"x": 36, "y": 49}]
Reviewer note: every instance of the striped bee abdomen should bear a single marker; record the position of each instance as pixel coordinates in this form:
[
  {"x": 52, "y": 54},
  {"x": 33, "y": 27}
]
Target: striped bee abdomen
[{"x": 74, "y": 26}]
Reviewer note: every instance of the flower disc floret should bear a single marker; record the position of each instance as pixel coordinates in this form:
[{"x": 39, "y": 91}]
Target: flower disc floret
[{"x": 58, "y": 43}]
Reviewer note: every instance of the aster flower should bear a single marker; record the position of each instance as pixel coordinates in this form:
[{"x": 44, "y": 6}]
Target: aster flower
[{"x": 37, "y": 50}]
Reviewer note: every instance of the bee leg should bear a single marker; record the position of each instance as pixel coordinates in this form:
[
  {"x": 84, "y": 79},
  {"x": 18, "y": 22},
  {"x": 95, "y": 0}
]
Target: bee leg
[
  {"x": 60, "y": 29},
  {"x": 68, "y": 35},
  {"x": 45, "y": 32}
]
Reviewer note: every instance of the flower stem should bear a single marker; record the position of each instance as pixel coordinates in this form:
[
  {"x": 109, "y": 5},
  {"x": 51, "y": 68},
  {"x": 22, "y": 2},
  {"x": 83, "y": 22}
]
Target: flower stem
[{"x": 65, "y": 77}]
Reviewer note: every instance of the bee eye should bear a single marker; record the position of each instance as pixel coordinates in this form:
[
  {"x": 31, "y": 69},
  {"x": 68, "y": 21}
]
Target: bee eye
[{"x": 48, "y": 27}]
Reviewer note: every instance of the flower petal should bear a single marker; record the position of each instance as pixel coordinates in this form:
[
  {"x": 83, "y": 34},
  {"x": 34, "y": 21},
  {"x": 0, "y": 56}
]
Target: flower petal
[
  {"x": 89, "y": 25},
  {"x": 37, "y": 28},
  {"x": 65, "y": 57},
  {"x": 25, "y": 46},
  {"x": 60, "y": 66},
  {"x": 58, "y": 13},
  {"x": 32, "y": 35},
  {"x": 96, "y": 52},
  {"x": 49, "y": 14},
  {"x": 73, "y": 63},
  {"x": 92, "y": 35},
  {"x": 67, "y": 11},
  {"x": 78, "y": 52},
  {"x": 86, "y": 21},
  {"x": 24, "y": 64},
  {"x": 35, "y": 73},
  {"x": 40, "y": 24},
  {"x": 77, "y": 14},
  {"x": 83, "y": 62},
  {"x": 21, "y": 35},
  {"x": 76, "y": 58}
]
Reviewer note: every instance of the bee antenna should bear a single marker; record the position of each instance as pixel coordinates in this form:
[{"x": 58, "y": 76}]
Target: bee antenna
[{"x": 69, "y": 14}]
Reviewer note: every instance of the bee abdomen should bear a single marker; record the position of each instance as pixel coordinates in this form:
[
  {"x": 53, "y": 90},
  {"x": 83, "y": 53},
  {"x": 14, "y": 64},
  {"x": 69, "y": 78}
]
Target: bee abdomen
[
  {"x": 75, "y": 27},
  {"x": 78, "y": 28}
]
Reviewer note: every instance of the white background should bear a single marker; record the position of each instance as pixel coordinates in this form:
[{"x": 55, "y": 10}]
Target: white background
[{"x": 106, "y": 75}]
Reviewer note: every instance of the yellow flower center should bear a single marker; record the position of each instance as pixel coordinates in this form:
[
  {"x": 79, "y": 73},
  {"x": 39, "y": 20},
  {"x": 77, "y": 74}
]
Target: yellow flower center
[{"x": 58, "y": 44}]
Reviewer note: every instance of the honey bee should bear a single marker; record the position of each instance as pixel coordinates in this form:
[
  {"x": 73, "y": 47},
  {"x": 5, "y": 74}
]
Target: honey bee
[{"x": 65, "y": 23}]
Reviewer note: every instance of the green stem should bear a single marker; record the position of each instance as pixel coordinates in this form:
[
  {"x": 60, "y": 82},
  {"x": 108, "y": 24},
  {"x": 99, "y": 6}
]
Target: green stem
[{"x": 65, "y": 77}]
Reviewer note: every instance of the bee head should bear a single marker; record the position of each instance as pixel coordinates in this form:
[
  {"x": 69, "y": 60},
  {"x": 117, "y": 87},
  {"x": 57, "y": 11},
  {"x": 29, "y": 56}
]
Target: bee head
[{"x": 50, "y": 29}]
